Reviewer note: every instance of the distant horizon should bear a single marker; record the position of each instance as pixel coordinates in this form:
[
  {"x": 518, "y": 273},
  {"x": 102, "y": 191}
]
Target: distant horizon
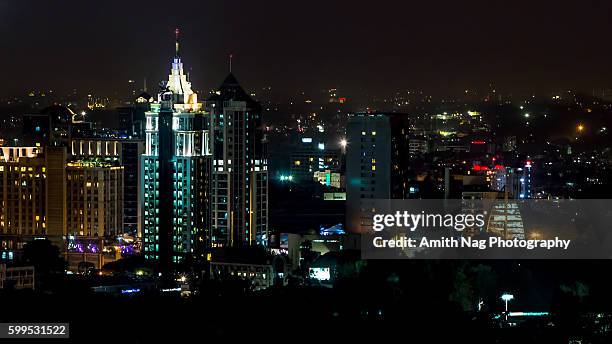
[
  {"x": 476, "y": 96},
  {"x": 442, "y": 48}
]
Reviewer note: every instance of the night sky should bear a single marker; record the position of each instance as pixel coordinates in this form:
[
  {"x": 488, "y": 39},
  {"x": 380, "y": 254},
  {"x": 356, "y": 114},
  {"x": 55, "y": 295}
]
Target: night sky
[{"x": 442, "y": 47}]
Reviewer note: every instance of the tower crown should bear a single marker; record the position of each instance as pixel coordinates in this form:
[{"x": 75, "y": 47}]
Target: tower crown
[{"x": 178, "y": 83}]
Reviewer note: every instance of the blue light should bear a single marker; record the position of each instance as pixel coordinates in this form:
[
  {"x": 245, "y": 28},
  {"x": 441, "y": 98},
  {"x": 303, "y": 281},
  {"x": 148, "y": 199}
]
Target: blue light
[
  {"x": 130, "y": 291},
  {"x": 528, "y": 314},
  {"x": 334, "y": 230},
  {"x": 284, "y": 178}
]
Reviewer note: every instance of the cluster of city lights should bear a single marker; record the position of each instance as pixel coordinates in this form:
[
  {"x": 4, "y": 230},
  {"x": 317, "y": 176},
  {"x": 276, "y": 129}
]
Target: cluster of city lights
[{"x": 284, "y": 178}]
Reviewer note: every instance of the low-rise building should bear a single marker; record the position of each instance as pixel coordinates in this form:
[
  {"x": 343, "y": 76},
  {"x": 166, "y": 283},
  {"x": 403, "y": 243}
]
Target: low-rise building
[
  {"x": 17, "y": 277},
  {"x": 260, "y": 269},
  {"x": 261, "y": 276}
]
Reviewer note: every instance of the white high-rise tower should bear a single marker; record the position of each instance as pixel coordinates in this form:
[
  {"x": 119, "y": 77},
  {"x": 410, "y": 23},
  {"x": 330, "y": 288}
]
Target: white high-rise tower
[{"x": 176, "y": 164}]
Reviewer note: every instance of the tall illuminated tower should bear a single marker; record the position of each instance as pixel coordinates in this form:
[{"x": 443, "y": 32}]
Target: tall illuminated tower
[
  {"x": 239, "y": 202},
  {"x": 175, "y": 173},
  {"x": 525, "y": 181},
  {"x": 377, "y": 164},
  {"x": 368, "y": 167}
]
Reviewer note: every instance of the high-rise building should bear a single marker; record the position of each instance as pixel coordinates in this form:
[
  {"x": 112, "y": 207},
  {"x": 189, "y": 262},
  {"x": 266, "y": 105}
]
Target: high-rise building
[
  {"x": 131, "y": 151},
  {"x": 132, "y": 118},
  {"x": 33, "y": 196},
  {"x": 507, "y": 179},
  {"x": 23, "y": 191},
  {"x": 505, "y": 220},
  {"x": 95, "y": 198},
  {"x": 311, "y": 156},
  {"x": 376, "y": 164},
  {"x": 368, "y": 167},
  {"x": 174, "y": 174},
  {"x": 525, "y": 181},
  {"x": 56, "y": 158},
  {"x": 400, "y": 144},
  {"x": 126, "y": 153},
  {"x": 240, "y": 168}
]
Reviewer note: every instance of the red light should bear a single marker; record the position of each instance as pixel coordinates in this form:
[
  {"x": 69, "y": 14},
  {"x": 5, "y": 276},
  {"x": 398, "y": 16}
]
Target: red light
[
  {"x": 499, "y": 167},
  {"x": 478, "y": 142}
]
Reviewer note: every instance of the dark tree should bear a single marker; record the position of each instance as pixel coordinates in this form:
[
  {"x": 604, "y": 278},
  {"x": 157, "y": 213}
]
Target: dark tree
[{"x": 44, "y": 256}]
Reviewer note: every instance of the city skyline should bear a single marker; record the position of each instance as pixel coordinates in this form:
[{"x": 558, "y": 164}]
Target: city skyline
[
  {"x": 440, "y": 165},
  {"x": 516, "y": 48}
]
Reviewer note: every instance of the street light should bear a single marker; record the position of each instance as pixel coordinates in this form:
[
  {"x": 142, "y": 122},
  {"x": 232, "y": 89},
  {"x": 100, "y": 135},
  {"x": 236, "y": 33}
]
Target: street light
[
  {"x": 284, "y": 178},
  {"x": 343, "y": 143},
  {"x": 507, "y": 297}
]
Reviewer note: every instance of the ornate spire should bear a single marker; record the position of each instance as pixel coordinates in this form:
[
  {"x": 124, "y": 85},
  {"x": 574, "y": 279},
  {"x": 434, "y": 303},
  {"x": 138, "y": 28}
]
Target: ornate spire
[
  {"x": 178, "y": 82},
  {"x": 176, "y": 33}
]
